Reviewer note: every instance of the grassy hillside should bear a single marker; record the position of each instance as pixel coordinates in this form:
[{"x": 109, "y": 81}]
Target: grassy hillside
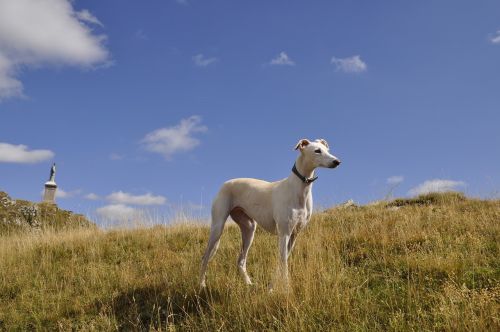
[
  {"x": 430, "y": 263},
  {"x": 21, "y": 216}
]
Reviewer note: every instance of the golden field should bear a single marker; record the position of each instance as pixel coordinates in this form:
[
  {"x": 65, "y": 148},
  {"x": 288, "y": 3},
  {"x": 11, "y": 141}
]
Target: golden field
[{"x": 425, "y": 264}]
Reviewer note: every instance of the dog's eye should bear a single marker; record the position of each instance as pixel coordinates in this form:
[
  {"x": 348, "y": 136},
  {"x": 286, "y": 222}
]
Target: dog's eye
[{"x": 317, "y": 151}]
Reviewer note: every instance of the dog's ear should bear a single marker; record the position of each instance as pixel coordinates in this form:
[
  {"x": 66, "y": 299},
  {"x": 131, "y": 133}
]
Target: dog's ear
[
  {"x": 302, "y": 144},
  {"x": 324, "y": 142}
]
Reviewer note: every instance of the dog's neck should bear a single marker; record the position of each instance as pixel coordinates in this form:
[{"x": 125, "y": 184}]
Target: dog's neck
[{"x": 305, "y": 169}]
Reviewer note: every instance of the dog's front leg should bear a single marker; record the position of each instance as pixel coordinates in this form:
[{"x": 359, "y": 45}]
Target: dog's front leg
[
  {"x": 291, "y": 241},
  {"x": 283, "y": 264}
]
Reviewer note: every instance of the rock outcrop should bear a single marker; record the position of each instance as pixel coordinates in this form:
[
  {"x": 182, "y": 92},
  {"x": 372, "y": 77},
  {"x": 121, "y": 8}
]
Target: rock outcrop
[{"x": 26, "y": 216}]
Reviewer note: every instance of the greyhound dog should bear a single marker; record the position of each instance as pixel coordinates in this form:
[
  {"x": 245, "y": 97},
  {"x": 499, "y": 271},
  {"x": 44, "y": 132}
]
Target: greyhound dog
[{"x": 283, "y": 207}]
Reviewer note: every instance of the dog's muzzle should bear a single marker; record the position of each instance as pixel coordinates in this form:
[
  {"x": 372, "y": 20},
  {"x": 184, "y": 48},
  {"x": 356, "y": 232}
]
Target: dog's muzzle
[{"x": 335, "y": 163}]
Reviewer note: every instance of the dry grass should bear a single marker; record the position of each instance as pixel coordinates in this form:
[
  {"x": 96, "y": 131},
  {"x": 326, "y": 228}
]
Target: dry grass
[{"x": 406, "y": 266}]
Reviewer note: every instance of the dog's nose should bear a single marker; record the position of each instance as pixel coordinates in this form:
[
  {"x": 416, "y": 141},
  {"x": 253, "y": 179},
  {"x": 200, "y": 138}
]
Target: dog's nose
[{"x": 335, "y": 163}]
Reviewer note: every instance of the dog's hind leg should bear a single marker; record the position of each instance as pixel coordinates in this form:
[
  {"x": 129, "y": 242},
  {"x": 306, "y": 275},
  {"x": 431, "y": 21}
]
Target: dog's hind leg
[
  {"x": 213, "y": 245},
  {"x": 220, "y": 212},
  {"x": 247, "y": 227}
]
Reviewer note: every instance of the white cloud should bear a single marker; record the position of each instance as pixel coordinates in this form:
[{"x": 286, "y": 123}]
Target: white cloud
[
  {"x": 9, "y": 85},
  {"x": 60, "y": 193},
  {"x": 201, "y": 61},
  {"x": 121, "y": 197},
  {"x": 394, "y": 180},
  {"x": 117, "y": 212},
  {"x": 10, "y": 153},
  {"x": 436, "y": 185},
  {"x": 282, "y": 59},
  {"x": 86, "y": 16},
  {"x": 44, "y": 32},
  {"x": 67, "y": 194},
  {"x": 170, "y": 140},
  {"x": 115, "y": 156},
  {"x": 352, "y": 64},
  {"x": 495, "y": 39},
  {"x": 194, "y": 206},
  {"x": 92, "y": 197},
  {"x": 141, "y": 34}
]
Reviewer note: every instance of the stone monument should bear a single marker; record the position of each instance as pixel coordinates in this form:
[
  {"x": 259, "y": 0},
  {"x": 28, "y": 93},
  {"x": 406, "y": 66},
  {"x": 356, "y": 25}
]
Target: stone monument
[{"x": 49, "y": 195}]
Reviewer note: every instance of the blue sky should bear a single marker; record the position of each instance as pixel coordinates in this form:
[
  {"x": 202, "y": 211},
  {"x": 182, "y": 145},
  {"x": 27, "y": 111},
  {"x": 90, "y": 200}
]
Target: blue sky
[{"x": 153, "y": 105}]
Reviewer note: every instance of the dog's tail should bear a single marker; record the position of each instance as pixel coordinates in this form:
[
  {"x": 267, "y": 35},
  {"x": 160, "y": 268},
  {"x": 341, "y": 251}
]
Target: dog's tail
[{"x": 220, "y": 212}]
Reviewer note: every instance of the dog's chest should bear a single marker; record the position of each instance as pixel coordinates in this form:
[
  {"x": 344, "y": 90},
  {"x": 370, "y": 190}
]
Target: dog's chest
[
  {"x": 298, "y": 199},
  {"x": 299, "y": 216},
  {"x": 299, "y": 208}
]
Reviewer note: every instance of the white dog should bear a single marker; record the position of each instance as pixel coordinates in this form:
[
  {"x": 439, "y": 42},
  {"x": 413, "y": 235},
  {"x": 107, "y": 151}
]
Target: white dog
[{"x": 282, "y": 207}]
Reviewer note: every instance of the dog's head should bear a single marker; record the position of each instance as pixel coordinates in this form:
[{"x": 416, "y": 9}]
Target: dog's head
[{"x": 317, "y": 153}]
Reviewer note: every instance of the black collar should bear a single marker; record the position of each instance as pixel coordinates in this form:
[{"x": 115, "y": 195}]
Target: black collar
[{"x": 302, "y": 177}]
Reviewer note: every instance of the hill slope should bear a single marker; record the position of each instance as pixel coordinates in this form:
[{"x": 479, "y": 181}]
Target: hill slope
[
  {"x": 25, "y": 216},
  {"x": 424, "y": 264}
]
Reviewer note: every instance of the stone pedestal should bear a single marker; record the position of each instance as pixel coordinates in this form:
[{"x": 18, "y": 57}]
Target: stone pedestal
[{"x": 49, "y": 195}]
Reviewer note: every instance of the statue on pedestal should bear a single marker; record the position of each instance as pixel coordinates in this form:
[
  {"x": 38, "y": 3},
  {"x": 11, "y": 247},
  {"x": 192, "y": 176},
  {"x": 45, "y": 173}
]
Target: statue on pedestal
[
  {"x": 49, "y": 194},
  {"x": 53, "y": 173}
]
